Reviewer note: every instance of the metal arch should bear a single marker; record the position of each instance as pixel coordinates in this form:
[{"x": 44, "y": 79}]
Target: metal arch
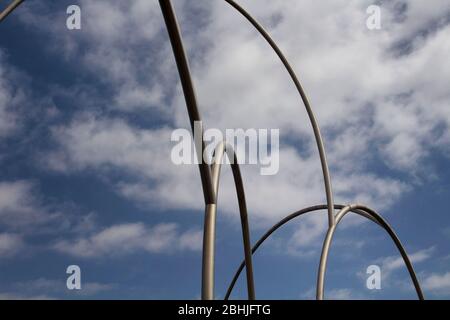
[
  {"x": 381, "y": 222},
  {"x": 275, "y": 228},
  {"x": 10, "y": 9},
  {"x": 361, "y": 210},
  {"x": 210, "y": 226},
  {"x": 190, "y": 97},
  {"x": 312, "y": 118}
]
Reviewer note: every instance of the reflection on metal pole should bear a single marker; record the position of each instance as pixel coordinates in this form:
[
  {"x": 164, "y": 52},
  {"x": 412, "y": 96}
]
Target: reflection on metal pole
[{"x": 10, "y": 9}]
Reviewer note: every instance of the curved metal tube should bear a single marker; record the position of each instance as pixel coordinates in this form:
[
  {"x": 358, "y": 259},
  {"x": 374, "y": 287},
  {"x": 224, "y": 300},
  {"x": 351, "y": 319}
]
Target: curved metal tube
[
  {"x": 210, "y": 225},
  {"x": 189, "y": 92},
  {"x": 275, "y": 228},
  {"x": 361, "y": 210},
  {"x": 312, "y": 118},
  {"x": 381, "y": 222},
  {"x": 10, "y": 9}
]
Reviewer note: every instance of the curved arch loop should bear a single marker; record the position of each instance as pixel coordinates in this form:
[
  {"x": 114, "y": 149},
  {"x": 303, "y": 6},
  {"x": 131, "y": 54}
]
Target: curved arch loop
[
  {"x": 312, "y": 118},
  {"x": 275, "y": 228},
  {"x": 380, "y": 221},
  {"x": 362, "y": 211},
  {"x": 210, "y": 225}
]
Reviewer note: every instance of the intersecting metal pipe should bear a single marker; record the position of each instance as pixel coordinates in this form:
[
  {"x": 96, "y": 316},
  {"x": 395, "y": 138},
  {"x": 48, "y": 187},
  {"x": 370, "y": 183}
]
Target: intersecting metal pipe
[
  {"x": 362, "y": 211},
  {"x": 381, "y": 222},
  {"x": 312, "y": 118},
  {"x": 275, "y": 228},
  {"x": 10, "y": 9},
  {"x": 210, "y": 225}
]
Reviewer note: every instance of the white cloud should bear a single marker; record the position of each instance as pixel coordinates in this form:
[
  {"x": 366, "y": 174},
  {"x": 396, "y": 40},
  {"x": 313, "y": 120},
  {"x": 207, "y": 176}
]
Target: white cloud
[
  {"x": 393, "y": 263},
  {"x": 19, "y": 205},
  {"x": 335, "y": 294},
  {"x": 342, "y": 294},
  {"x": 127, "y": 238},
  {"x": 10, "y": 244},
  {"x": 379, "y": 96},
  {"x": 131, "y": 28},
  {"x": 437, "y": 283},
  {"x": 92, "y": 143}
]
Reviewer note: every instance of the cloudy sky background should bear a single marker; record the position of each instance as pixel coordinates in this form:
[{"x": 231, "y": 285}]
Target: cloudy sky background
[{"x": 85, "y": 123}]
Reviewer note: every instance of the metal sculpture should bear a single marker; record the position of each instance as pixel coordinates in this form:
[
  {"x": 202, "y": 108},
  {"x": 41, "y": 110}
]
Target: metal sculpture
[
  {"x": 360, "y": 210},
  {"x": 211, "y": 187},
  {"x": 210, "y": 175}
]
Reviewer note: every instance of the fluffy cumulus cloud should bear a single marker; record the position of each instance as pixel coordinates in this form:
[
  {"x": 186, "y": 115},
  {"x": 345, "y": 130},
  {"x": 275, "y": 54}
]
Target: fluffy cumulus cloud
[
  {"x": 381, "y": 98},
  {"x": 128, "y": 238}
]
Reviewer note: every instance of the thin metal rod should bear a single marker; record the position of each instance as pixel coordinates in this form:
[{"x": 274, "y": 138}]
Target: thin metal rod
[
  {"x": 275, "y": 228},
  {"x": 189, "y": 91},
  {"x": 10, "y": 9},
  {"x": 381, "y": 222},
  {"x": 210, "y": 225},
  {"x": 312, "y": 118}
]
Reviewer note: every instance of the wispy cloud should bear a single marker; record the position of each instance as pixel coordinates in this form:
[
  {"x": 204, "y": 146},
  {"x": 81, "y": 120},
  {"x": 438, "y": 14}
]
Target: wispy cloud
[
  {"x": 393, "y": 263},
  {"x": 128, "y": 238},
  {"x": 438, "y": 283},
  {"x": 10, "y": 244}
]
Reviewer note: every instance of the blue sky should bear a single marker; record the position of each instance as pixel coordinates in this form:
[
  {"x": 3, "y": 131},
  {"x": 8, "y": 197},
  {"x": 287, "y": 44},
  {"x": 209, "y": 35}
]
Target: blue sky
[{"x": 85, "y": 123}]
